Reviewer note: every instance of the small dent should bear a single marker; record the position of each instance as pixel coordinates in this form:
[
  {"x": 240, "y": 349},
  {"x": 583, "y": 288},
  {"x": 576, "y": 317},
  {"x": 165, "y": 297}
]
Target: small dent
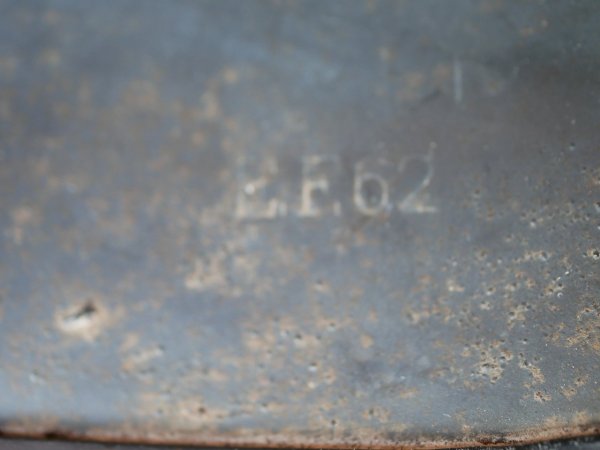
[{"x": 86, "y": 320}]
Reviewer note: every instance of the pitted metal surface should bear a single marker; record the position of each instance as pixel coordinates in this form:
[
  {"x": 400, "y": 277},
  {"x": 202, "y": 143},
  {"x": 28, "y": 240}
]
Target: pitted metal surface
[{"x": 324, "y": 224}]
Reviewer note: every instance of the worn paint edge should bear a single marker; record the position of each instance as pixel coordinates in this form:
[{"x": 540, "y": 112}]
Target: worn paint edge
[{"x": 524, "y": 437}]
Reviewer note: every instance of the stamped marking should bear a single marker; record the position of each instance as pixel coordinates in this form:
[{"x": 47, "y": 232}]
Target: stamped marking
[
  {"x": 416, "y": 201},
  {"x": 316, "y": 173},
  {"x": 371, "y": 193},
  {"x": 255, "y": 199},
  {"x": 265, "y": 193}
]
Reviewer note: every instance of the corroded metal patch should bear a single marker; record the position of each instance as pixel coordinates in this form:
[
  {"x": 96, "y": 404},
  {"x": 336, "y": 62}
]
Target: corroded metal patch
[{"x": 303, "y": 224}]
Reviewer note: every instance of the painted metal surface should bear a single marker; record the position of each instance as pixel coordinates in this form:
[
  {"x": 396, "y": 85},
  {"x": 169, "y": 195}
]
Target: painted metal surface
[{"x": 300, "y": 223}]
